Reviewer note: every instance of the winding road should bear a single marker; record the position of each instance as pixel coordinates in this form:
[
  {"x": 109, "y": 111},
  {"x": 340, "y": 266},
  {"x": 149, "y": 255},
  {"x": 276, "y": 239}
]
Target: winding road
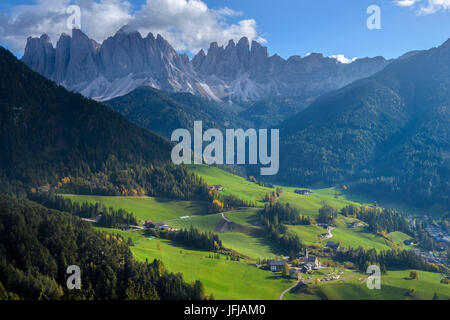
[
  {"x": 288, "y": 289},
  {"x": 225, "y": 218}
]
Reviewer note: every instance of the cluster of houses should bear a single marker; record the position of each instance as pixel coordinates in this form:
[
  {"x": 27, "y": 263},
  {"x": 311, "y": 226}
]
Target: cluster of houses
[
  {"x": 215, "y": 188},
  {"x": 441, "y": 236},
  {"x": 303, "y": 192},
  {"x": 149, "y": 224},
  {"x": 307, "y": 264},
  {"x": 431, "y": 257},
  {"x": 336, "y": 277}
]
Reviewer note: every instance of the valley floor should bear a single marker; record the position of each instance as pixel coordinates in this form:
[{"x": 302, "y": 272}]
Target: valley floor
[{"x": 241, "y": 280}]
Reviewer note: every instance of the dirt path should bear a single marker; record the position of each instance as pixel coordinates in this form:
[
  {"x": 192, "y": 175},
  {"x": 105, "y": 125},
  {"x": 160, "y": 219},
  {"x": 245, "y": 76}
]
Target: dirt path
[
  {"x": 227, "y": 225},
  {"x": 225, "y": 218},
  {"x": 289, "y": 289},
  {"x": 330, "y": 235}
]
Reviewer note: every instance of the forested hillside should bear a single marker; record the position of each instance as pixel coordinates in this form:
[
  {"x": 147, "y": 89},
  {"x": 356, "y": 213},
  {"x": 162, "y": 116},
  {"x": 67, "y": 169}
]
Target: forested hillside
[
  {"x": 390, "y": 133},
  {"x": 37, "y": 245},
  {"x": 163, "y": 112},
  {"x": 51, "y": 138}
]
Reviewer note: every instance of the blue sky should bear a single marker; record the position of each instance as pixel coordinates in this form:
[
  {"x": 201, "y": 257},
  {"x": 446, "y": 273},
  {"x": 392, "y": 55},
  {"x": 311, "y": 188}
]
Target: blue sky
[
  {"x": 339, "y": 27},
  {"x": 290, "y": 27}
]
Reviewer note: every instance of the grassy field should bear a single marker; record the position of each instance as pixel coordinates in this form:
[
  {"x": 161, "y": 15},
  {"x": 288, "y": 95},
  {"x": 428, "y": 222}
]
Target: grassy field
[
  {"x": 251, "y": 246},
  {"x": 245, "y": 217},
  {"x": 350, "y": 238},
  {"x": 223, "y": 278},
  {"x": 398, "y": 238},
  {"x": 435, "y": 210},
  {"x": 395, "y": 285},
  {"x": 233, "y": 185},
  {"x": 346, "y": 236},
  {"x": 204, "y": 222},
  {"x": 227, "y": 279},
  {"x": 309, "y": 234},
  {"x": 157, "y": 209},
  {"x": 244, "y": 189},
  {"x": 310, "y": 205},
  {"x": 184, "y": 215}
]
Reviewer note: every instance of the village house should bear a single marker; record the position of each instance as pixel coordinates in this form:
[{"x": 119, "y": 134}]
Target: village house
[
  {"x": 276, "y": 265},
  {"x": 409, "y": 242},
  {"x": 215, "y": 188},
  {"x": 147, "y": 223},
  {"x": 355, "y": 224},
  {"x": 305, "y": 268},
  {"x": 159, "y": 226},
  {"x": 311, "y": 262},
  {"x": 303, "y": 192}
]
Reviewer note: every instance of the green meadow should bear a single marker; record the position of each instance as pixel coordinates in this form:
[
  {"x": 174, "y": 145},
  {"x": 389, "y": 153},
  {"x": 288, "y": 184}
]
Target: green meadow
[
  {"x": 245, "y": 217},
  {"x": 245, "y": 189},
  {"x": 144, "y": 208},
  {"x": 395, "y": 285},
  {"x": 226, "y": 279},
  {"x": 250, "y": 246},
  {"x": 222, "y": 278},
  {"x": 233, "y": 184}
]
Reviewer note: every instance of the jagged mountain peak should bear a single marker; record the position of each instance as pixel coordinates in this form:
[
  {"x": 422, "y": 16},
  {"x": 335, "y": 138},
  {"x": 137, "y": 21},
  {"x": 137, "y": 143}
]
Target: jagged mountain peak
[
  {"x": 243, "y": 42},
  {"x": 237, "y": 71}
]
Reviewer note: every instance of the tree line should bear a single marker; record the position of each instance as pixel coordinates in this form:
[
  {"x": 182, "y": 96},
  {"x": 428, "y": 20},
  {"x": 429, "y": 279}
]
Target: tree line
[
  {"x": 276, "y": 231},
  {"x": 192, "y": 238},
  {"x": 220, "y": 203},
  {"x": 386, "y": 259},
  {"x": 388, "y": 220},
  {"x": 379, "y": 220},
  {"x": 277, "y": 213},
  {"x": 109, "y": 217}
]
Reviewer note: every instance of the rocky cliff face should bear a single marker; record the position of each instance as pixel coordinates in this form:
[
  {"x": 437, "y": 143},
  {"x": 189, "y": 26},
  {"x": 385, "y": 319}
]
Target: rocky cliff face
[{"x": 239, "y": 71}]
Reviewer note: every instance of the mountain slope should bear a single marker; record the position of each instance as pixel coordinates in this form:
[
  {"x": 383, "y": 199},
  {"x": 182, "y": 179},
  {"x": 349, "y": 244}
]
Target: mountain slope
[
  {"x": 237, "y": 72},
  {"x": 390, "y": 131},
  {"x": 164, "y": 112},
  {"x": 271, "y": 112},
  {"x": 48, "y": 133}
]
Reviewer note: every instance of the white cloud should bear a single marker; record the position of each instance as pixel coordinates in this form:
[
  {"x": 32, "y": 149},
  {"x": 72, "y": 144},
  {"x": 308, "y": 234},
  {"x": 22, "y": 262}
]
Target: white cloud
[
  {"x": 435, "y": 6},
  {"x": 406, "y": 3},
  {"x": 186, "y": 24},
  {"x": 431, "y": 6},
  {"x": 342, "y": 59},
  {"x": 190, "y": 24}
]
